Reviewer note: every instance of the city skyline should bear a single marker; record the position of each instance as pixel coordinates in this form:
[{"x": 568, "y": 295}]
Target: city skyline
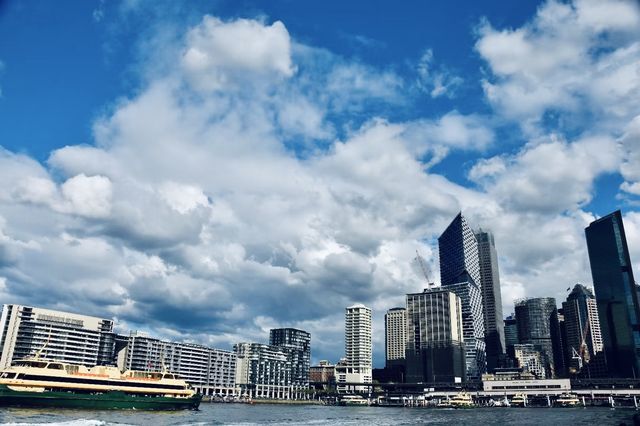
[{"x": 158, "y": 172}]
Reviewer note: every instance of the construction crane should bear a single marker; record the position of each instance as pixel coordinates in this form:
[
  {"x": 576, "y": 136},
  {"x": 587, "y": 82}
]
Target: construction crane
[
  {"x": 424, "y": 268},
  {"x": 581, "y": 355}
]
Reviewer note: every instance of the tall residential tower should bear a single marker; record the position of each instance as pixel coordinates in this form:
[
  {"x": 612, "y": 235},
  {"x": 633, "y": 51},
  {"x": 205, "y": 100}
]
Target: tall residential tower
[
  {"x": 357, "y": 342},
  {"x": 395, "y": 331}
]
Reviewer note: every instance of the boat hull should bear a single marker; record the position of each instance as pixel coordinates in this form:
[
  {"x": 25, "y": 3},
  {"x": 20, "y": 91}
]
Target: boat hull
[{"x": 103, "y": 401}]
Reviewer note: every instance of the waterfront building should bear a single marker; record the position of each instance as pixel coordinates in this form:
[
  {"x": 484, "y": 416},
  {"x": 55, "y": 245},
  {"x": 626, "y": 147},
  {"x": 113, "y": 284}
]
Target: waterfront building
[
  {"x": 460, "y": 273},
  {"x": 358, "y": 350},
  {"x": 491, "y": 299},
  {"x": 616, "y": 294},
  {"x": 435, "y": 341},
  {"x": 63, "y": 336},
  {"x": 264, "y": 371},
  {"x": 324, "y": 372},
  {"x": 395, "y": 331},
  {"x": 537, "y": 321},
  {"x": 584, "y": 349},
  {"x": 210, "y": 371},
  {"x": 298, "y": 344},
  {"x": 530, "y": 358}
]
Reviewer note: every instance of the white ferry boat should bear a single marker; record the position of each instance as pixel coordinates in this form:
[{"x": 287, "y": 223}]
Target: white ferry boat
[
  {"x": 353, "y": 400},
  {"x": 567, "y": 400},
  {"x": 36, "y": 382}
]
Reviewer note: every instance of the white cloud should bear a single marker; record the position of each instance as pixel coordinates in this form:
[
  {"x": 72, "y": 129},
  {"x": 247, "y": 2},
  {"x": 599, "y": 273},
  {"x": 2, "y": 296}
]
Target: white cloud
[
  {"x": 220, "y": 55},
  {"x": 577, "y": 58},
  {"x": 630, "y": 167},
  {"x": 436, "y": 80}
]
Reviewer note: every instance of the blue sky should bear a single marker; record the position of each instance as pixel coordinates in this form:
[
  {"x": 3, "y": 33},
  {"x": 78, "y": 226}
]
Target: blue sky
[{"x": 208, "y": 170}]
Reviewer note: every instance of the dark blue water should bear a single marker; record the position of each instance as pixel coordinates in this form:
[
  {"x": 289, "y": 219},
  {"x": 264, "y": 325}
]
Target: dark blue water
[{"x": 242, "y": 414}]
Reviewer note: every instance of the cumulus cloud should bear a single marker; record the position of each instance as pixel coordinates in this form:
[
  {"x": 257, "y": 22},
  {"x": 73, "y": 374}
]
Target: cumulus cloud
[
  {"x": 578, "y": 58},
  {"x": 218, "y": 52},
  {"x": 195, "y": 216}
]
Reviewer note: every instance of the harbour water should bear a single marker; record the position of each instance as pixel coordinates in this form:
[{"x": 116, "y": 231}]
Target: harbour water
[{"x": 243, "y": 414}]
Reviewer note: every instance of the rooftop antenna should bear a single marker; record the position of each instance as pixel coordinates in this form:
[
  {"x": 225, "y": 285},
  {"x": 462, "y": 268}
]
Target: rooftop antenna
[{"x": 424, "y": 268}]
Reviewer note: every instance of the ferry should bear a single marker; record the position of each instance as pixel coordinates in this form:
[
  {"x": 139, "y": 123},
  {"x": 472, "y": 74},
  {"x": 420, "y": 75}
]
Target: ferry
[
  {"x": 37, "y": 382},
  {"x": 353, "y": 400},
  {"x": 567, "y": 400},
  {"x": 462, "y": 400},
  {"x": 519, "y": 400}
]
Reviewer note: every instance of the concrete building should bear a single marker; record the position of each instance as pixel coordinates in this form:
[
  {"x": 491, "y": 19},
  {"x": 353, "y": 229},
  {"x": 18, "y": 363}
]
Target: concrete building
[
  {"x": 584, "y": 349},
  {"x": 616, "y": 294},
  {"x": 358, "y": 350},
  {"x": 537, "y": 321},
  {"x": 395, "y": 332},
  {"x": 460, "y": 273},
  {"x": 491, "y": 299},
  {"x": 64, "y": 336},
  {"x": 298, "y": 344},
  {"x": 210, "y": 371},
  {"x": 435, "y": 346}
]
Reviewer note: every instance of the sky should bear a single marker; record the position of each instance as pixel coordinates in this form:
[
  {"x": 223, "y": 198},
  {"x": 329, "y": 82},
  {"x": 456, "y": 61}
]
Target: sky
[{"x": 208, "y": 170}]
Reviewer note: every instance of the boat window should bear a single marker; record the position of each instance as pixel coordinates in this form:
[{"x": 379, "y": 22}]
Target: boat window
[
  {"x": 7, "y": 375},
  {"x": 55, "y": 366},
  {"x": 72, "y": 369},
  {"x": 168, "y": 376},
  {"x": 36, "y": 364}
]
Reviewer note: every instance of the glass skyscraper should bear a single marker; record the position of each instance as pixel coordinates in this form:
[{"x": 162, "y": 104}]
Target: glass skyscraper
[
  {"x": 537, "y": 322},
  {"x": 616, "y": 294},
  {"x": 460, "y": 274},
  {"x": 491, "y": 299}
]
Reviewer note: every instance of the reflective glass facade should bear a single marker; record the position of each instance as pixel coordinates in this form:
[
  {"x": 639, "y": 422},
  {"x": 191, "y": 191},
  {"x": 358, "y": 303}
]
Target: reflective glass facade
[{"x": 616, "y": 295}]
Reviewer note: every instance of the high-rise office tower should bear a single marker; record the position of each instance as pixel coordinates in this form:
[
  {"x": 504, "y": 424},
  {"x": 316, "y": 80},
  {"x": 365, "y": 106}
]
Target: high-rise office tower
[
  {"x": 616, "y": 295},
  {"x": 583, "y": 344},
  {"x": 537, "y": 321},
  {"x": 491, "y": 299},
  {"x": 298, "y": 344},
  {"x": 460, "y": 273},
  {"x": 458, "y": 249},
  {"x": 63, "y": 336},
  {"x": 435, "y": 346},
  {"x": 510, "y": 331},
  {"x": 395, "y": 331},
  {"x": 357, "y": 339}
]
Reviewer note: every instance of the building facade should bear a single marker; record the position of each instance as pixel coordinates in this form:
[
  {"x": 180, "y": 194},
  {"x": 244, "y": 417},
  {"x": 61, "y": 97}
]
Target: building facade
[
  {"x": 537, "y": 321},
  {"x": 530, "y": 358},
  {"x": 435, "y": 342},
  {"x": 358, "y": 351},
  {"x": 63, "y": 336},
  {"x": 584, "y": 348},
  {"x": 616, "y": 295},
  {"x": 324, "y": 372},
  {"x": 264, "y": 371},
  {"x": 395, "y": 332},
  {"x": 460, "y": 273},
  {"x": 210, "y": 371},
  {"x": 491, "y": 299},
  {"x": 298, "y": 344}
]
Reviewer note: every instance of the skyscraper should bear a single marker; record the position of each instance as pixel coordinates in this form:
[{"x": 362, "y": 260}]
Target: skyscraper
[
  {"x": 357, "y": 342},
  {"x": 583, "y": 348},
  {"x": 458, "y": 250},
  {"x": 460, "y": 273},
  {"x": 298, "y": 344},
  {"x": 435, "y": 347},
  {"x": 537, "y": 321},
  {"x": 616, "y": 294},
  {"x": 491, "y": 299},
  {"x": 395, "y": 330}
]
